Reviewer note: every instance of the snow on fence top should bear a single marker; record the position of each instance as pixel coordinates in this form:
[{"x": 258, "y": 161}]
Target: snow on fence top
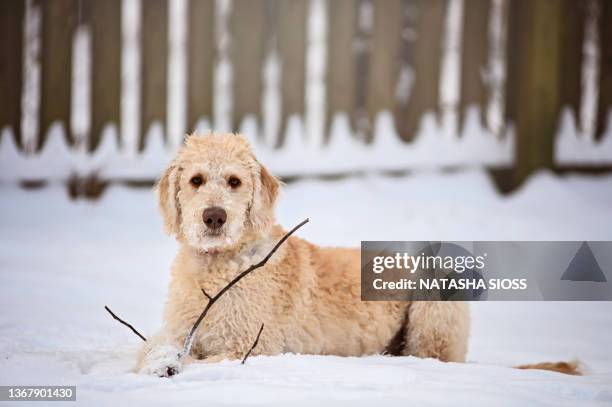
[{"x": 321, "y": 87}]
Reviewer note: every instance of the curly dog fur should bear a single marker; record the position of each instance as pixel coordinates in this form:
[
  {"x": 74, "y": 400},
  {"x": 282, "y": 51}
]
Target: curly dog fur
[{"x": 307, "y": 296}]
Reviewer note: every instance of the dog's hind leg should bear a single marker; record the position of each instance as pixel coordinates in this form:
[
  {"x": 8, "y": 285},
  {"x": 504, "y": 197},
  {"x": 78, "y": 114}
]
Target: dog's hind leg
[{"x": 437, "y": 329}]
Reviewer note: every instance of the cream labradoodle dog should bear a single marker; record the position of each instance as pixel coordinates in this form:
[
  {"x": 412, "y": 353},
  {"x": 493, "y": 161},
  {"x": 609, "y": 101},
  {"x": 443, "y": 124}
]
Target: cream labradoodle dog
[{"x": 219, "y": 202}]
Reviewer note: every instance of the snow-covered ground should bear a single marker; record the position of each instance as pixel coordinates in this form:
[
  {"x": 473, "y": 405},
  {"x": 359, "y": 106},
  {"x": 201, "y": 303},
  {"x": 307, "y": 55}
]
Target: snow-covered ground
[{"x": 62, "y": 261}]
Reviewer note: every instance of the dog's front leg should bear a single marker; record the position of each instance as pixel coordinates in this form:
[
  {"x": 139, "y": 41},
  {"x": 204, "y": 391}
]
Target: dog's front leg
[{"x": 159, "y": 354}]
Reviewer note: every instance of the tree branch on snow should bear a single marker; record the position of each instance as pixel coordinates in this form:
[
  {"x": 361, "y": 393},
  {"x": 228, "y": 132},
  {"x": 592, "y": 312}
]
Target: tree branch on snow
[
  {"x": 252, "y": 346},
  {"x": 125, "y": 323}
]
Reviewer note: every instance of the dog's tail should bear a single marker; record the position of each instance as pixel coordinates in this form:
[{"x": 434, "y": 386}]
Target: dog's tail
[{"x": 571, "y": 368}]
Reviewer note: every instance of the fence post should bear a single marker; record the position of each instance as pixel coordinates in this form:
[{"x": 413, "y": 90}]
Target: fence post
[
  {"x": 154, "y": 66},
  {"x": 573, "y": 24},
  {"x": 201, "y": 61},
  {"x": 474, "y": 58},
  {"x": 104, "y": 18},
  {"x": 291, "y": 35},
  {"x": 341, "y": 61},
  {"x": 247, "y": 27},
  {"x": 59, "y": 21},
  {"x": 534, "y": 55},
  {"x": 11, "y": 46},
  {"x": 605, "y": 66},
  {"x": 512, "y": 59},
  {"x": 384, "y": 57},
  {"x": 426, "y": 52}
]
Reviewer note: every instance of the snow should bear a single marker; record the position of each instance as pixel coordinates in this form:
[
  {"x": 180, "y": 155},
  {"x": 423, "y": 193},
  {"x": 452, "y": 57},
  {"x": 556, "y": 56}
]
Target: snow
[
  {"x": 573, "y": 147},
  {"x": 61, "y": 261},
  {"x": 432, "y": 148}
]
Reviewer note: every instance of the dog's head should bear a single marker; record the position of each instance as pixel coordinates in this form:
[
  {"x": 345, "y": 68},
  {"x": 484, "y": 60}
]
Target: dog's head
[{"x": 215, "y": 194}]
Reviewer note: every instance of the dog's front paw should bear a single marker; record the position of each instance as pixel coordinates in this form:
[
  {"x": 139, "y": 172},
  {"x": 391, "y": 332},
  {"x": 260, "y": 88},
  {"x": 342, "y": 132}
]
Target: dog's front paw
[{"x": 162, "y": 361}]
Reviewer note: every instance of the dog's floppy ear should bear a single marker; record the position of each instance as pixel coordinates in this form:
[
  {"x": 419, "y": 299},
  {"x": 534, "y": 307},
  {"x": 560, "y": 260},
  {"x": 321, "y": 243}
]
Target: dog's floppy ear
[
  {"x": 167, "y": 194},
  {"x": 264, "y": 198}
]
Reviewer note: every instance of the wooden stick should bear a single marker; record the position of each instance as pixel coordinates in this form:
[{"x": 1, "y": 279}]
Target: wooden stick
[
  {"x": 211, "y": 301},
  {"x": 125, "y": 323},
  {"x": 253, "y": 346},
  {"x": 206, "y": 294}
]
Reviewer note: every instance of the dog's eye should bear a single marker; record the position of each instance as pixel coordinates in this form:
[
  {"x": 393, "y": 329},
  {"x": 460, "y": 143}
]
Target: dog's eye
[
  {"x": 196, "y": 181},
  {"x": 234, "y": 182}
]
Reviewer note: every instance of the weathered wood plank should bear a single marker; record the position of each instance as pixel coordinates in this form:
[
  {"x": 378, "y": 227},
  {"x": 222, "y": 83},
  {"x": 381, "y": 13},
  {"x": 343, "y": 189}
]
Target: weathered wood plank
[
  {"x": 474, "y": 58},
  {"x": 104, "y": 18},
  {"x": 154, "y": 66},
  {"x": 59, "y": 21},
  {"x": 515, "y": 23},
  {"x": 291, "y": 38},
  {"x": 573, "y": 14},
  {"x": 384, "y": 59},
  {"x": 427, "y": 54},
  {"x": 605, "y": 66},
  {"x": 248, "y": 29},
  {"x": 341, "y": 60},
  {"x": 536, "y": 84},
  {"x": 11, "y": 55},
  {"x": 201, "y": 61}
]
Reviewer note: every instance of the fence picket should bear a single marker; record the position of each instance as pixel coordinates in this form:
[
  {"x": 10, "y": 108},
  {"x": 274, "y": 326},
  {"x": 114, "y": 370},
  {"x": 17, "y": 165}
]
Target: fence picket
[
  {"x": 247, "y": 27},
  {"x": 572, "y": 38},
  {"x": 424, "y": 96},
  {"x": 383, "y": 67},
  {"x": 201, "y": 61},
  {"x": 59, "y": 22},
  {"x": 153, "y": 67},
  {"x": 11, "y": 51},
  {"x": 605, "y": 67},
  {"x": 341, "y": 64},
  {"x": 536, "y": 113},
  {"x": 104, "y": 18},
  {"x": 474, "y": 58},
  {"x": 291, "y": 38}
]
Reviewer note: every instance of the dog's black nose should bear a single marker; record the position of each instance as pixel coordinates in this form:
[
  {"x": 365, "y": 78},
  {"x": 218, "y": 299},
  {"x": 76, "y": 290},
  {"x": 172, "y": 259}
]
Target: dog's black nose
[{"x": 214, "y": 217}]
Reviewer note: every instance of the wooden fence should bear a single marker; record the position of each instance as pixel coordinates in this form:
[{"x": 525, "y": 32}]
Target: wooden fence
[{"x": 375, "y": 69}]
